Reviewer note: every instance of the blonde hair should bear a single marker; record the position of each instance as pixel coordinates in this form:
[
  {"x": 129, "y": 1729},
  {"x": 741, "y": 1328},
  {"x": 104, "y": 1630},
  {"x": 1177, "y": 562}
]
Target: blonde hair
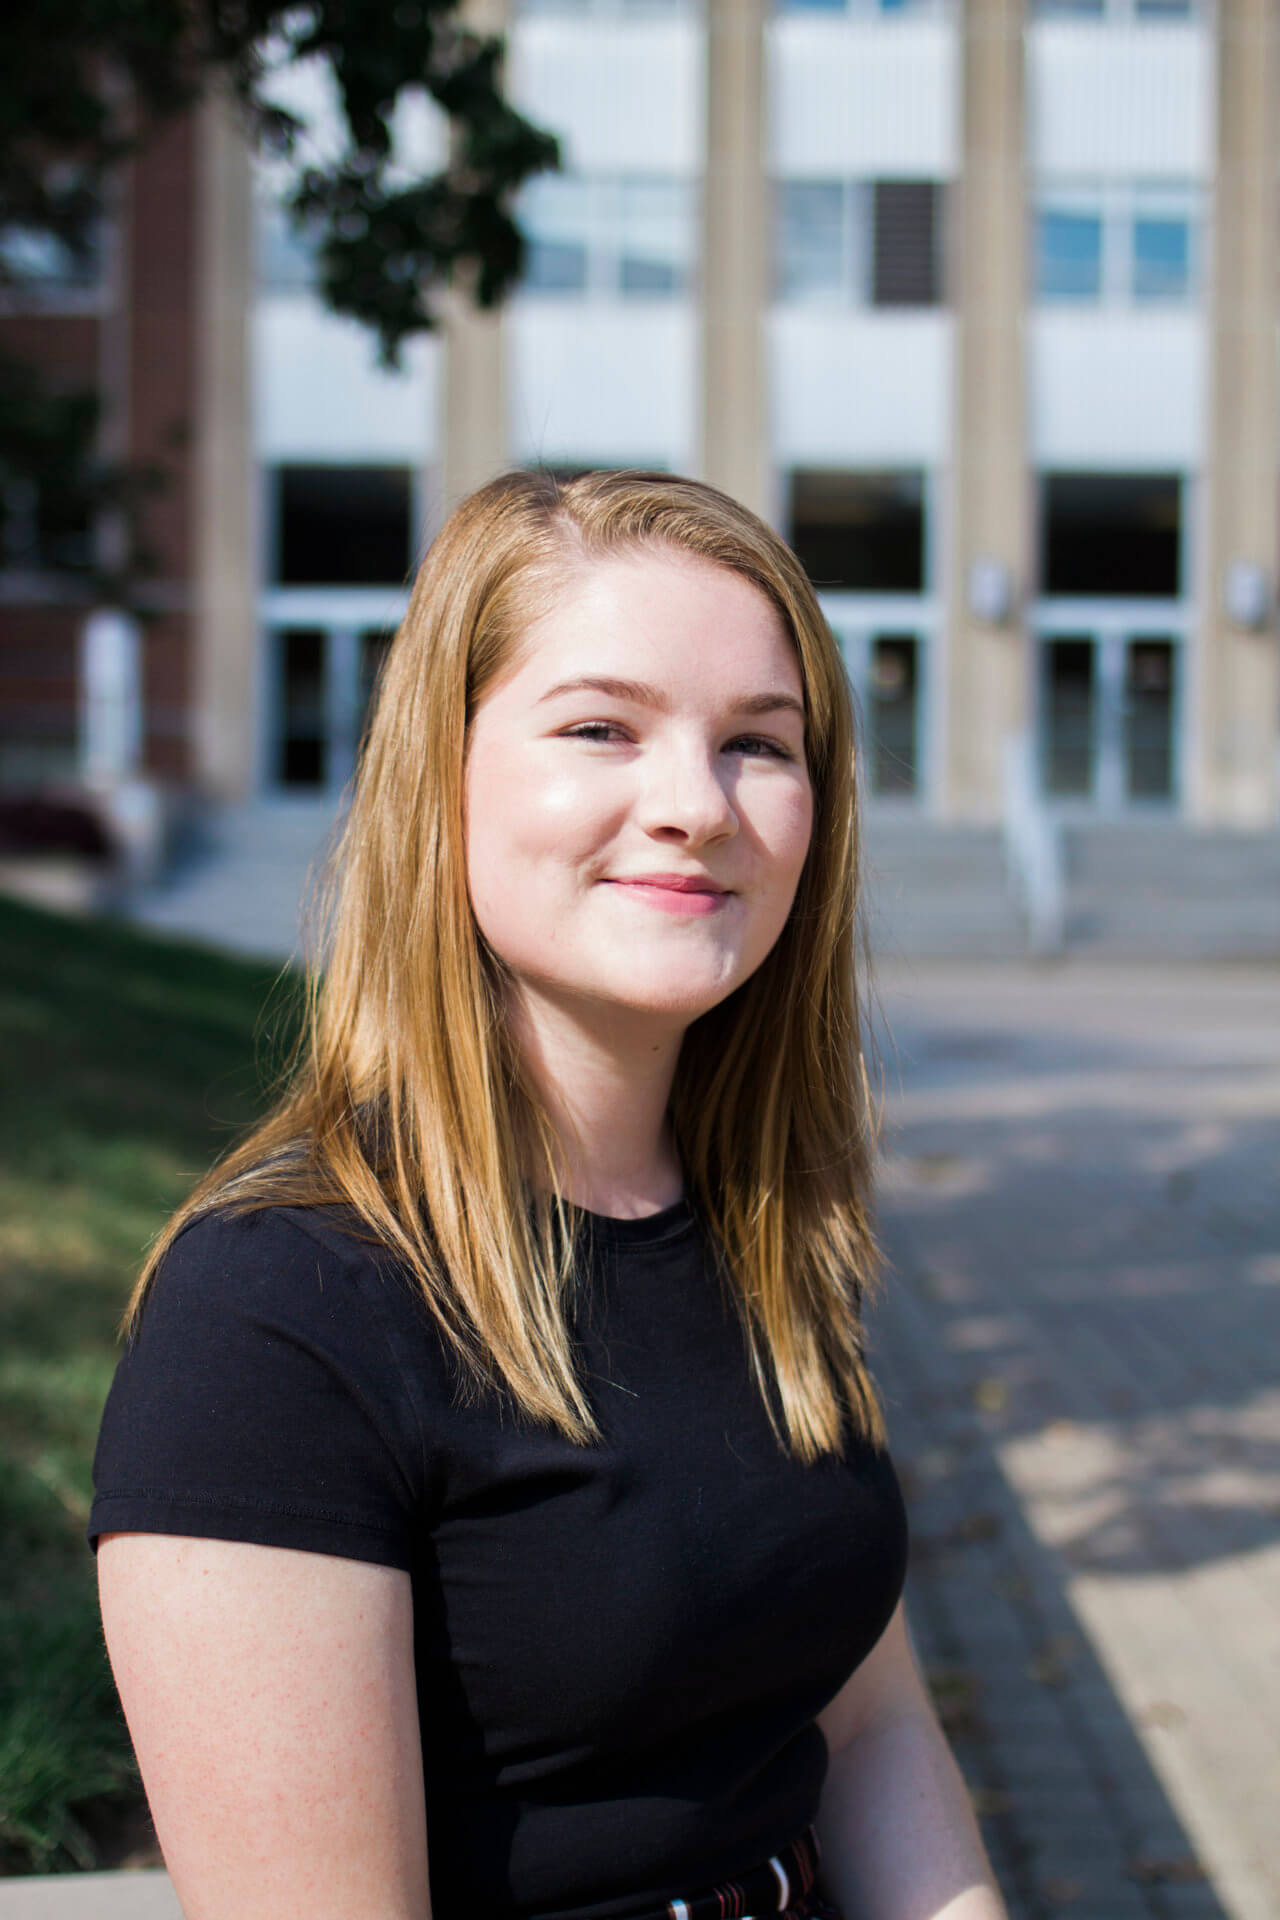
[{"x": 407, "y": 1105}]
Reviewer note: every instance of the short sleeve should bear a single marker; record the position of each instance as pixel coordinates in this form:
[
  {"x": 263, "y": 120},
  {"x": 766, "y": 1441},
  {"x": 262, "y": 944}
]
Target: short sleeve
[{"x": 261, "y": 1399}]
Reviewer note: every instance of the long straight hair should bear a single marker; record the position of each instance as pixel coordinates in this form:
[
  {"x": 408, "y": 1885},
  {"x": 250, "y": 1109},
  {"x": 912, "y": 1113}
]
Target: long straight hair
[{"x": 407, "y": 1105}]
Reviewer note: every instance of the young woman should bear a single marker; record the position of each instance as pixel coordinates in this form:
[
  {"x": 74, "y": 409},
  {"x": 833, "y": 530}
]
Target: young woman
[{"x": 493, "y": 1477}]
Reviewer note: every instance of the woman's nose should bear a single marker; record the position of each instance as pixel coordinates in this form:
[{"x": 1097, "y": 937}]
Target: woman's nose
[{"x": 686, "y": 796}]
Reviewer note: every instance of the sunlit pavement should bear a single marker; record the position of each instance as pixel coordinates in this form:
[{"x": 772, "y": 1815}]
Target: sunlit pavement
[{"x": 1080, "y": 1343}]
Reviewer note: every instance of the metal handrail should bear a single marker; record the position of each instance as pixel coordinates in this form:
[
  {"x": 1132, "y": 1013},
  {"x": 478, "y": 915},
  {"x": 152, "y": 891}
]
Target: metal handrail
[{"x": 1033, "y": 849}]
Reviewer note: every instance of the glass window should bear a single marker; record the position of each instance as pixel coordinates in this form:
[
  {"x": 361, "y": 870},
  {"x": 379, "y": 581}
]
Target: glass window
[
  {"x": 905, "y": 254},
  {"x": 862, "y": 531},
  {"x": 1068, "y": 255},
  {"x": 286, "y": 255},
  {"x": 554, "y": 216},
  {"x": 631, "y": 236},
  {"x": 856, "y": 6},
  {"x": 45, "y": 529},
  {"x": 624, "y": 9},
  {"x": 654, "y": 226},
  {"x": 35, "y": 261},
  {"x": 344, "y": 526},
  {"x": 812, "y": 217},
  {"x": 1111, "y": 534},
  {"x": 1161, "y": 257}
]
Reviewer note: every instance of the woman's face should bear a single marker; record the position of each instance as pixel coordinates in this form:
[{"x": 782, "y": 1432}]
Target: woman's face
[{"x": 638, "y": 802}]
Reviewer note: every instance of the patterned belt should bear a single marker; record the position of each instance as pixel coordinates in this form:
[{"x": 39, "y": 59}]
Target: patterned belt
[{"x": 782, "y": 1885}]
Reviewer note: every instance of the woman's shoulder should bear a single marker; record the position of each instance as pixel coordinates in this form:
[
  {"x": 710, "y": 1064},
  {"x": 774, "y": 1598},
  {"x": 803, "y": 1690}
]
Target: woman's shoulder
[{"x": 241, "y": 1254}]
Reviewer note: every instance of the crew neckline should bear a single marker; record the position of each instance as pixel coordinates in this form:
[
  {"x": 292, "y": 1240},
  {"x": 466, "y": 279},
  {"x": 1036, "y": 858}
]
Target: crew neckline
[{"x": 648, "y": 1229}]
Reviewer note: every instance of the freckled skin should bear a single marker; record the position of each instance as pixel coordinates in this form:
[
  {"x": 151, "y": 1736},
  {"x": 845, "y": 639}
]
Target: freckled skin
[{"x": 574, "y": 795}]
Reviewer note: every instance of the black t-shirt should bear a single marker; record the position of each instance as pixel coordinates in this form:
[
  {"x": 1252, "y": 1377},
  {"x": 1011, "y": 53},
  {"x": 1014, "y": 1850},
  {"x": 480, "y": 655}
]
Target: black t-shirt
[{"x": 620, "y": 1648}]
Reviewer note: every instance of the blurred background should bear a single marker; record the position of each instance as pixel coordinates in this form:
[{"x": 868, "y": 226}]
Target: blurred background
[{"x": 978, "y": 302}]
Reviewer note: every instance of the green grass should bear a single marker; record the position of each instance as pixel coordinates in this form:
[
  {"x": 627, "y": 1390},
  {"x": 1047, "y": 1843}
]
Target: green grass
[{"x": 126, "y": 1064}]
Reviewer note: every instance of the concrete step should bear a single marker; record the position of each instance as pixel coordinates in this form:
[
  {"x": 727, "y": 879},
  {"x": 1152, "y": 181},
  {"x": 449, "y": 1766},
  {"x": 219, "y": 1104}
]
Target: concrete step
[
  {"x": 239, "y": 877},
  {"x": 934, "y": 890}
]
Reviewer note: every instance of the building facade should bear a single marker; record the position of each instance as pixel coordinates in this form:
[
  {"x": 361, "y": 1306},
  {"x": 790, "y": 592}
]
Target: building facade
[{"x": 978, "y": 301}]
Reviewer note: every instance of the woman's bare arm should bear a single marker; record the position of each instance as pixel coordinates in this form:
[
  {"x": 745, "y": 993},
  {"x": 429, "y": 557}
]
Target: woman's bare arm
[
  {"x": 899, "y": 1840},
  {"x": 271, "y": 1699}
]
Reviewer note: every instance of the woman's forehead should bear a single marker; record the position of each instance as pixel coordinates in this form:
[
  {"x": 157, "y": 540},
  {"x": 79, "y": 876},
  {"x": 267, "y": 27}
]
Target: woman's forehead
[{"x": 660, "y": 610}]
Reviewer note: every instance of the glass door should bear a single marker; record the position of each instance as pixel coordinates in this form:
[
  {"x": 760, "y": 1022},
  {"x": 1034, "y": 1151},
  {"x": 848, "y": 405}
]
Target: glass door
[
  {"x": 325, "y": 677},
  {"x": 1150, "y": 704},
  {"x": 1068, "y": 716},
  {"x": 1108, "y": 719},
  {"x": 893, "y": 714}
]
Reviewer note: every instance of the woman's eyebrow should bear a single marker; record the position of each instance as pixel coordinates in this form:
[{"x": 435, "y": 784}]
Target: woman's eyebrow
[{"x": 643, "y": 695}]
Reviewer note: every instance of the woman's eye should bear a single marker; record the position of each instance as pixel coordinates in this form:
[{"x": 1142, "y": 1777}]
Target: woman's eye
[
  {"x": 603, "y": 730},
  {"x": 756, "y": 746}
]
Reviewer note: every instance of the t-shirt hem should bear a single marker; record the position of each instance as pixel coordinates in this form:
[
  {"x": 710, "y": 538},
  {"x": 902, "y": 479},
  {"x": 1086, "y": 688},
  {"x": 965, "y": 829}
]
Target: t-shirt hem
[{"x": 256, "y": 1524}]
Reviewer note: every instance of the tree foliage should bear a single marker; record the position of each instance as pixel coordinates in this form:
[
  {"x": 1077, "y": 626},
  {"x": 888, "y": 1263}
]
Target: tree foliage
[{"x": 84, "y": 84}]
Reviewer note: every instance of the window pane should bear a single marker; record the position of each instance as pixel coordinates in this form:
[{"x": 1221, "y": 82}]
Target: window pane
[
  {"x": 1111, "y": 533},
  {"x": 286, "y": 256},
  {"x": 905, "y": 244},
  {"x": 1068, "y": 255},
  {"x": 811, "y": 239},
  {"x": 344, "y": 526},
  {"x": 1161, "y": 258},
  {"x": 863, "y": 531},
  {"x": 1163, "y": 9},
  {"x": 893, "y": 707},
  {"x": 655, "y": 236},
  {"x": 554, "y": 214},
  {"x": 40, "y": 261}
]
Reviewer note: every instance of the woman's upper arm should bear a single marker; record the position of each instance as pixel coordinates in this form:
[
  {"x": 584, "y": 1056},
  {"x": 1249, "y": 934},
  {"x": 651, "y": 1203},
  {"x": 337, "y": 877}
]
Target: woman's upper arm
[
  {"x": 270, "y": 1695},
  {"x": 886, "y": 1684}
]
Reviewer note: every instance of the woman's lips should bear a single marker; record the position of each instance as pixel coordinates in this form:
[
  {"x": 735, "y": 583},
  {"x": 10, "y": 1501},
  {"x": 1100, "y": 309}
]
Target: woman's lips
[{"x": 675, "y": 892}]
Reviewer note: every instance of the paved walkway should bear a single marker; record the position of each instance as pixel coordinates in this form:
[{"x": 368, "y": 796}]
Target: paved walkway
[{"x": 1080, "y": 1344}]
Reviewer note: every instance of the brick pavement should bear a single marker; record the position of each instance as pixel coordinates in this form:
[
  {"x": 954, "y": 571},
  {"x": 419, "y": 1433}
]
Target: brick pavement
[{"x": 1081, "y": 1346}]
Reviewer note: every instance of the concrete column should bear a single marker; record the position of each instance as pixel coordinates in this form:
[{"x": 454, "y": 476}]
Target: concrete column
[
  {"x": 473, "y": 363},
  {"x": 1235, "y": 676},
  {"x": 734, "y": 439},
  {"x": 989, "y": 533},
  {"x": 224, "y": 680}
]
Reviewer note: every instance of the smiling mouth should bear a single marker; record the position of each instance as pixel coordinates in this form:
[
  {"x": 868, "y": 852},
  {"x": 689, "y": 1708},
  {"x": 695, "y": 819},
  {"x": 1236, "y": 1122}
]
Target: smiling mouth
[
  {"x": 684, "y": 895},
  {"x": 669, "y": 883}
]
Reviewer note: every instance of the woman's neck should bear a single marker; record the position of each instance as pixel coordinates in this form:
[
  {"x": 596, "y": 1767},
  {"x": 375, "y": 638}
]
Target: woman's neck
[{"x": 606, "y": 1086}]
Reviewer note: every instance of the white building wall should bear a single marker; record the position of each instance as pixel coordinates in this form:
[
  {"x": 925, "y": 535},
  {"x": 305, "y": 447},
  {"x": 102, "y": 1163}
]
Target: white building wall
[
  {"x": 1106, "y": 99},
  {"x": 859, "y": 388},
  {"x": 1117, "y": 391},
  {"x": 863, "y": 99},
  {"x": 320, "y": 395},
  {"x": 596, "y": 379},
  {"x": 1112, "y": 103},
  {"x": 603, "y": 382},
  {"x": 624, "y": 96}
]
